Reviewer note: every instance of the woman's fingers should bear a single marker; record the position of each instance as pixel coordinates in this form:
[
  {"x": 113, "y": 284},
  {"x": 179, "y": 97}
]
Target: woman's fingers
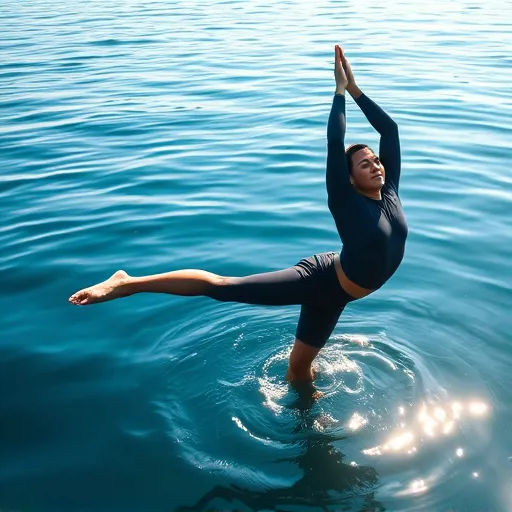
[
  {"x": 346, "y": 65},
  {"x": 339, "y": 68},
  {"x": 344, "y": 62},
  {"x": 338, "y": 56},
  {"x": 342, "y": 56}
]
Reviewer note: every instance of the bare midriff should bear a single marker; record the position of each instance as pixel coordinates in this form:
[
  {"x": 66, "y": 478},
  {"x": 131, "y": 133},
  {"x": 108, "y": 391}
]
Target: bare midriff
[{"x": 353, "y": 289}]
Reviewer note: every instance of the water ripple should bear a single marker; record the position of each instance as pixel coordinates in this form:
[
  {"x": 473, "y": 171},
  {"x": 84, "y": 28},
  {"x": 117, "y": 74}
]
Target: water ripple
[{"x": 155, "y": 136}]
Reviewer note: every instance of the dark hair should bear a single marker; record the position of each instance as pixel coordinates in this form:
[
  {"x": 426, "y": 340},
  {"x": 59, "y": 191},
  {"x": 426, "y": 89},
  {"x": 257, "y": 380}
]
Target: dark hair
[{"x": 353, "y": 148}]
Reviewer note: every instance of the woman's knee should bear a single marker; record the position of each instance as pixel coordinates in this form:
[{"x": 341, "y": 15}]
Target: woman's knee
[{"x": 221, "y": 287}]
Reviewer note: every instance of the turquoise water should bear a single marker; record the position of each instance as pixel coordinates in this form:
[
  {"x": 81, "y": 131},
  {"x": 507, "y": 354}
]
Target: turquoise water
[{"x": 152, "y": 136}]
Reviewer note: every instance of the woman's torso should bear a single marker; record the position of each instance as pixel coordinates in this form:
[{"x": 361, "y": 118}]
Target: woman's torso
[{"x": 373, "y": 243}]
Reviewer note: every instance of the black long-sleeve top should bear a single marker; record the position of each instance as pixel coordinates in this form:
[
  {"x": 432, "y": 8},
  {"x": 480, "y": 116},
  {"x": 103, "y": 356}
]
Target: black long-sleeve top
[{"x": 373, "y": 231}]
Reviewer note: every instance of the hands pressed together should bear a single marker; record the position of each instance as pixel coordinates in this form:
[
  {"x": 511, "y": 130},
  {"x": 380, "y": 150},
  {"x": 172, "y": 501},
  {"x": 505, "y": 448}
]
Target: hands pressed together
[{"x": 343, "y": 73}]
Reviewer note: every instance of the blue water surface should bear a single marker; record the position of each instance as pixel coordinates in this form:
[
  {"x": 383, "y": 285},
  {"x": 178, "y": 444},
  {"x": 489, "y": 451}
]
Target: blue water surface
[{"x": 154, "y": 135}]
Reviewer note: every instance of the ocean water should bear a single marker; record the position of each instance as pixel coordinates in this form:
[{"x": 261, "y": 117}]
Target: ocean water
[{"x": 152, "y": 136}]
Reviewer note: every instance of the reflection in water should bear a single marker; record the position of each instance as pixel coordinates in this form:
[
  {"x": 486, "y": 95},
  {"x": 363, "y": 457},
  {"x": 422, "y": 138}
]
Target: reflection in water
[
  {"x": 357, "y": 421},
  {"x": 431, "y": 421},
  {"x": 327, "y": 480},
  {"x": 430, "y": 424},
  {"x": 416, "y": 487}
]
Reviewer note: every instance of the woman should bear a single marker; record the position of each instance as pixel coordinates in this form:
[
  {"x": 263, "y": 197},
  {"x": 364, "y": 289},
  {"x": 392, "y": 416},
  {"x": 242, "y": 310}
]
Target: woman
[{"x": 363, "y": 199}]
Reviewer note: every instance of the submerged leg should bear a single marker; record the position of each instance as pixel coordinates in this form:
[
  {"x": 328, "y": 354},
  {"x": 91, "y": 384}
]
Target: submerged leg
[
  {"x": 301, "y": 358},
  {"x": 316, "y": 323}
]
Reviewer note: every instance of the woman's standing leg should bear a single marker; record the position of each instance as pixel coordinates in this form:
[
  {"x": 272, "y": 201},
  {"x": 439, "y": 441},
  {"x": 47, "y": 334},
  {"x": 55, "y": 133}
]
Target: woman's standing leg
[{"x": 316, "y": 323}]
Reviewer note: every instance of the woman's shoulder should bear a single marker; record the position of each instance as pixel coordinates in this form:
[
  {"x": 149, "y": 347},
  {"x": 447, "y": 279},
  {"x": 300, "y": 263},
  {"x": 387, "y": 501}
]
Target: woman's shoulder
[{"x": 389, "y": 189}]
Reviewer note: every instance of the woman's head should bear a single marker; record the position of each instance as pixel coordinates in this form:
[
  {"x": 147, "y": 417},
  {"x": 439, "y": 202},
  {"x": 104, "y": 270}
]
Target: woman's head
[{"x": 366, "y": 170}]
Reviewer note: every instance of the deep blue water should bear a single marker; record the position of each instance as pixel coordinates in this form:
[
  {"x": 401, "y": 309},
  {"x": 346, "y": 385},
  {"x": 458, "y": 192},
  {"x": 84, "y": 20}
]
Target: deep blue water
[{"x": 152, "y": 136}]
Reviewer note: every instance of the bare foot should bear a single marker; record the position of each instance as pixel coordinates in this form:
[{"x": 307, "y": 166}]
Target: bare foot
[
  {"x": 317, "y": 395},
  {"x": 101, "y": 292}
]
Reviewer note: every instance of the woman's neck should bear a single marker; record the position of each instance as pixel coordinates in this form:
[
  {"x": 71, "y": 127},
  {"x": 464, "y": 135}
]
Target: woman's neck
[{"x": 374, "y": 194}]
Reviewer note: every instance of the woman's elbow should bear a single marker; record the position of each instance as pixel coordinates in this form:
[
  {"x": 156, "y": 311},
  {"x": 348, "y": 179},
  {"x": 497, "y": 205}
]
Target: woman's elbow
[{"x": 392, "y": 126}]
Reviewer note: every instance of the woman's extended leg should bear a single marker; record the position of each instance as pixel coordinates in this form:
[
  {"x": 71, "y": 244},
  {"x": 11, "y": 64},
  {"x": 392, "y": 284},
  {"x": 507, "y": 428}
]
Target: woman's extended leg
[
  {"x": 180, "y": 282},
  {"x": 321, "y": 303},
  {"x": 284, "y": 287}
]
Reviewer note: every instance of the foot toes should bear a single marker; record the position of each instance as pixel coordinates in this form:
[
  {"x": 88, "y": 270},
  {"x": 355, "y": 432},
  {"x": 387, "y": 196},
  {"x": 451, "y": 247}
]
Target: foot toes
[
  {"x": 82, "y": 298},
  {"x": 79, "y": 298}
]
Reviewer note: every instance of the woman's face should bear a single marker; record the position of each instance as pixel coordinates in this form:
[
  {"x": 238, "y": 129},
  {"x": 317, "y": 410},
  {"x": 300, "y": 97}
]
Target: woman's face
[{"x": 368, "y": 173}]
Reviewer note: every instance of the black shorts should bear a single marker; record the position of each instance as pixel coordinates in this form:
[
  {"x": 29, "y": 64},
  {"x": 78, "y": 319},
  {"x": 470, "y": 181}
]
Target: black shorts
[{"x": 312, "y": 283}]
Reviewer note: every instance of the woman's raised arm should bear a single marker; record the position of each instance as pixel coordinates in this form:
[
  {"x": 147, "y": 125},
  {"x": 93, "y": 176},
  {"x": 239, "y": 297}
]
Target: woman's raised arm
[
  {"x": 339, "y": 188},
  {"x": 389, "y": 147},
  {"x": 337, "y": 178}
]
